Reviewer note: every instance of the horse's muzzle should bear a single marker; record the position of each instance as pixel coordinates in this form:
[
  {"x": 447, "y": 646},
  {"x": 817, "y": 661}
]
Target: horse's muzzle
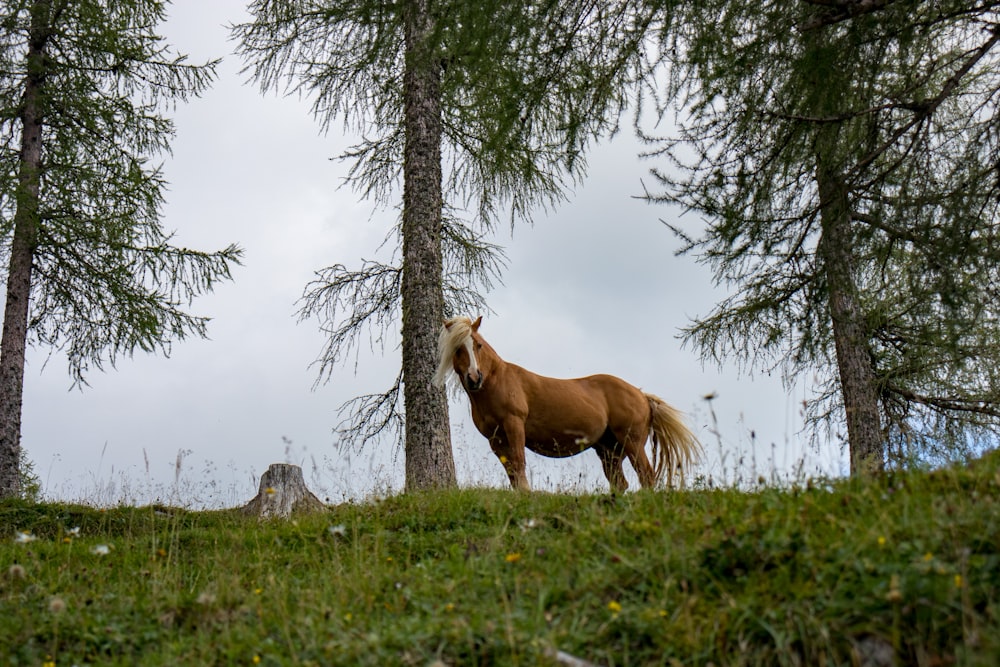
[{"x": 474, "y": 383}]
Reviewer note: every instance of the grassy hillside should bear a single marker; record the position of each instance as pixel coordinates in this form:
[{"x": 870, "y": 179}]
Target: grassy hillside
[{"x": 906, "y": 568}]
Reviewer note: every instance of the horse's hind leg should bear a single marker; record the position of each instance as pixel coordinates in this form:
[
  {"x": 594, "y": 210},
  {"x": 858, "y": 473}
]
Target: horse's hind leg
[
  {"x": 643, "y": 468},
  {"x": 635, "y": 449},
  {"x": 612, "y": 454}
]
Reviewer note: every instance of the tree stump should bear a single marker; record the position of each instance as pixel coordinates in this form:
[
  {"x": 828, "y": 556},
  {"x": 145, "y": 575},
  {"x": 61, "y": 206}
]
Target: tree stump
[{"x": 282, "y": 492}]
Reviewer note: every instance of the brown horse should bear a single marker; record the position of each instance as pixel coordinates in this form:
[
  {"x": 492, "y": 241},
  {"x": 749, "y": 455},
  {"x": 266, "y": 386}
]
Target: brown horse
[{"x": 515, "y": 408}]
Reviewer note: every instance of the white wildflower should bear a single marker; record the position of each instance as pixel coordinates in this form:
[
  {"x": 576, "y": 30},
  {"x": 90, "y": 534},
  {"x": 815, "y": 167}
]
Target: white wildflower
[{"x": 528, "y": 524}]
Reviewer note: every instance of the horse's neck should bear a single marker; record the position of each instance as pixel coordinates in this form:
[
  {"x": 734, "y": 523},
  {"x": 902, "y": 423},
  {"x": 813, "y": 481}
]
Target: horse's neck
[
  {"x": 499, "y": 361},
  {"x": 498, "y": 367},
  {"x": 496, "y": 358}
]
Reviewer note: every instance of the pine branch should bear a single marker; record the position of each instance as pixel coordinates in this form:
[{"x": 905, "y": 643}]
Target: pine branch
[{"x": 841, "y": 10}]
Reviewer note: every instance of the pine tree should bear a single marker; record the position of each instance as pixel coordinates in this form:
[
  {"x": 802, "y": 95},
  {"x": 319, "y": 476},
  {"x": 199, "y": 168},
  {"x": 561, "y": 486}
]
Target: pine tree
[
  {"x": 83, "y": 85},
  {"x": 486, "y": 108},
  {"x": 844, "y": 157}
]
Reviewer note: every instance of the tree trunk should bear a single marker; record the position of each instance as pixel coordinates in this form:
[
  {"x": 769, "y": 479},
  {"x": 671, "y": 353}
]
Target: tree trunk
[
  {"x": 857, "y": 377},
  {"x": 282, "y": 492},
  {"x": 15, "y": 321},
  {"x": 429, "y": 461}
]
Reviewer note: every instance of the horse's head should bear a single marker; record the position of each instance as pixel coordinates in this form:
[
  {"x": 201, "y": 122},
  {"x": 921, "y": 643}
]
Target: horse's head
[{"x": 463, "y": 350}]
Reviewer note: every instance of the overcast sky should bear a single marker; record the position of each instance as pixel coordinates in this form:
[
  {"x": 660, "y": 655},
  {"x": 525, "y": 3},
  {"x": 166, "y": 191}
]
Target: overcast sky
[{"x": 592, "y": 287}]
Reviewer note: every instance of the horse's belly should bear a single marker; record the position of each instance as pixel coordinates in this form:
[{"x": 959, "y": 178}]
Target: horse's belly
[
  {"x": 556, "y": 450},
  {"x": 567, "y": 441}
]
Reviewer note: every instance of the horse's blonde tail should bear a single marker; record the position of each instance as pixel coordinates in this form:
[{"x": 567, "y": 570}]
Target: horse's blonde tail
[{"x": 674, "y": 445}]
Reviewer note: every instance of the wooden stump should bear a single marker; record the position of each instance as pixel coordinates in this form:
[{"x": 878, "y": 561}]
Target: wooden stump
[{"x": 282, "y": 492}]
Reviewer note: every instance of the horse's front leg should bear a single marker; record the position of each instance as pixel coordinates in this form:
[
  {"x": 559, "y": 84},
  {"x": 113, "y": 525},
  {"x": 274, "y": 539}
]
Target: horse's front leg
[{"x": 509, "y": 448}]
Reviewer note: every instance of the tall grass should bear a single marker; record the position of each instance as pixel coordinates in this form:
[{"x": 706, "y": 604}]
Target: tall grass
[
  {"x": 900, "y": 570},
  {"x": 343, "y": 473}
]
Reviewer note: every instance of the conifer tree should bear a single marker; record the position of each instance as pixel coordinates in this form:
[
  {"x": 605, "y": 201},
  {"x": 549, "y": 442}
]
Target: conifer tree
[
  {"x": 844, "y": 157},
  {"x": 83, "y": 88},
  {"x": 482, "y": 108}
]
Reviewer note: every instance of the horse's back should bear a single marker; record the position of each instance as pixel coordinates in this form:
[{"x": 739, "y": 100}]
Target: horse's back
[
  {"x": 541, "y": 391},
  {"x": 609, "y": 391},
  {"x": 595, "y": 398}
]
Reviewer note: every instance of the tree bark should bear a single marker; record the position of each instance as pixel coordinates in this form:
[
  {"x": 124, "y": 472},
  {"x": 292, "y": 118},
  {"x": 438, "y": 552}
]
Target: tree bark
[
  {"x": 22, "y": 252},
  {"x": 429, "y": 460},
  {"x": 282, "y": 493},
  {"x": 857, "y": 377}
]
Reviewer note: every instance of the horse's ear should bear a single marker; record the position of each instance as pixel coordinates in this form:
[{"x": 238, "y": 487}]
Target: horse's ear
[{"x": 475, "y": 325}]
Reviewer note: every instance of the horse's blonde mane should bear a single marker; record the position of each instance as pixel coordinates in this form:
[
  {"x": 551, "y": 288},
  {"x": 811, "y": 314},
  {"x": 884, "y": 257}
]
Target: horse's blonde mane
[{"x": 453, "y": 335}]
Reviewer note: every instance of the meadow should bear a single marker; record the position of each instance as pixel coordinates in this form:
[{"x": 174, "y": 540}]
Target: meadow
[{"x": 900, "y": 570}]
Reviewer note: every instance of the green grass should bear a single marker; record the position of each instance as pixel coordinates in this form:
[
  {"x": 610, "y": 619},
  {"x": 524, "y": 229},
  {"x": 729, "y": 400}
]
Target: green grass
[{"x": 818, "y": 575}]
